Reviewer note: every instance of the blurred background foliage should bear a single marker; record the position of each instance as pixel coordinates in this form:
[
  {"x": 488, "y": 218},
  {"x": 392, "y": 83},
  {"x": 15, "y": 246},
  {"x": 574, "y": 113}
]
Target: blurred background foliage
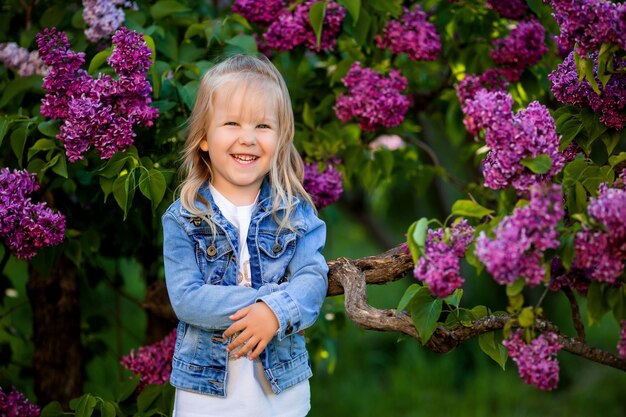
[{"x": 115, "y": 243}]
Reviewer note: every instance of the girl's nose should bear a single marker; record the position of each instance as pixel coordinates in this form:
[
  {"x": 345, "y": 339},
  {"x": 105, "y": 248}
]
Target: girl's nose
[{"x": 247, "y": 137}]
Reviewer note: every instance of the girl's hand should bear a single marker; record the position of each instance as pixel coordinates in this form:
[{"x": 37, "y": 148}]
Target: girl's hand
[{"x": 257, "y": 325}]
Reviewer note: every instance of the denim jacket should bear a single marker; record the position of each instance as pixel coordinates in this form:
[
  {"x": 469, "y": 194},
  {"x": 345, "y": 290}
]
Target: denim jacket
[{"x": 289, "y": 274}]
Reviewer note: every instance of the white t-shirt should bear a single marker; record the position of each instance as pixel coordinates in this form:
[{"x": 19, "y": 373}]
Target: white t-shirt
[{"x": 248, "y": 393}]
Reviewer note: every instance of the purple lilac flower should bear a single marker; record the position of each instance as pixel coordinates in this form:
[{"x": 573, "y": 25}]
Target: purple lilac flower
[
  {"x": 413, "y": 34},
  {"x": 439, "y": 266},
  {"x": 611, "y": 102},
  {"x": 603, "y": 251},
  {"x": 103, "y": 17},
  {"x": 576, "y": 278},
  {"x": 15, "y": 404},
  {"x": 513, "y": 137},
  {"x": 621, "y": 345},
  {"x": 511, "y": 9},
  {"x": 536, "y": 361},
  {"x": 520, "y": 239},
  {"x": 25, "y": 226},
  {"x": 523, "y": 48},
  {"x": 372, "y": 98},
  {"x": 263, "y": 12},
  {"x": 97, "y": 112},
  {"x": 153, "y": 363},
  {"x": 587, "y": 23},
  {"x": 21, "y": 60},
  {"x": 293, "y": 29},
  {"x": 324, "y": 187}
]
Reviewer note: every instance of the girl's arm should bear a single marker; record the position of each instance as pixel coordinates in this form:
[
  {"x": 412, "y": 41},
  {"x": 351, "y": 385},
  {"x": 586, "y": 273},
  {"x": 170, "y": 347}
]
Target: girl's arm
[
  {"x": 297, "y": 304},
  {"x": 194, "y": 301}
]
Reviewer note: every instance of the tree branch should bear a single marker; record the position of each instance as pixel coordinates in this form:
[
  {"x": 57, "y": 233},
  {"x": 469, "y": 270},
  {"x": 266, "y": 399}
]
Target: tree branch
[
  {"x": 578, "y": 323},
  {"x": 351, "y": 277}
]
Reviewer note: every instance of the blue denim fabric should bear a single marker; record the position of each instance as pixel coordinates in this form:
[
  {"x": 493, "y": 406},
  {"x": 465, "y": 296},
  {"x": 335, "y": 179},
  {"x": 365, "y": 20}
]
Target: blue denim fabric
[{"x": 289, "y": 274}]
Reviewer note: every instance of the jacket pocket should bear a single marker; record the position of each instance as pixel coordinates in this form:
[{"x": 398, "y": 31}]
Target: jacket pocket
[
  {"x": 213, "y": 256},
  {"x": 276, "y": 251}
]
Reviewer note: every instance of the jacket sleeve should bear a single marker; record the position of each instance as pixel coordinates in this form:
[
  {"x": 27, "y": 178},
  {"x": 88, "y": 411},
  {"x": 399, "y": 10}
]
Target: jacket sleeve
[
  {"x": 194, "y": 301},
  {"x": 298, "y": 303}
]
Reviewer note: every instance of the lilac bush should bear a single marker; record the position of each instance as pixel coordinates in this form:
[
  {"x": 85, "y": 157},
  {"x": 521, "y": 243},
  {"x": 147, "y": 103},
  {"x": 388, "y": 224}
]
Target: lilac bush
[
  {"x": 99, "y": 112},
  {"x": 103, "y": 17},
  {"x": 21, "y": 60},
  {"x": 26, "y": 227},
  {"x": 533, "y": 132},
  {"x": 262, "y": 12},
  {"x": 373, "y": 99},
  {"x": 412, "y": 34},
  {"x": 521, "y": 238},
  {"x": 523, "y": 48},
  {"x": 324, "y": 186},
  {"x": 153, "y": 363},
  {"x": 511, "y": 9},
  {"x": 15, "y": 404},
  {"x": 611, "y": 102},
  {"x": 602, "y": 249},
  {"x": 536, "y": 361},
  {"x": 292, "y": 29},
  {"x": 439, "y": 266}
]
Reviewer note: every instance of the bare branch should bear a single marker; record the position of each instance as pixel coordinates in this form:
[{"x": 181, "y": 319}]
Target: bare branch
[{"x": 578, "y": 323}]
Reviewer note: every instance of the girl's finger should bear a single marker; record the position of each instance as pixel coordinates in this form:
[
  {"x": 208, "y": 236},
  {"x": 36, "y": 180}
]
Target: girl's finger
[
  {"x": 257, "y": 350},
  {"x": 247, "y": 346},
  {"x": 240, "y": 313},
  {"x": 234, "y": 328}
]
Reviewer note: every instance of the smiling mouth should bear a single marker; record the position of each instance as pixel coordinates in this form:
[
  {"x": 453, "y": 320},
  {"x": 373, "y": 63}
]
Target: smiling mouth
[{"x": 246, "y": 159}]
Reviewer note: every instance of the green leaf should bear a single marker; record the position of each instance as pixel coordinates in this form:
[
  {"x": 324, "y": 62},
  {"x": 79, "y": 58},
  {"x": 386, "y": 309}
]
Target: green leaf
[
  {"x": 539, "y": 164},
  {"x": 188, "y": 93},
  {"x": 152, "y": 185},
  {"x": 114, "y": 165},
  {"x": 147, "y": 397},
  {"x": 4, "y": 128},
  {"x": 495, "y": 350},
  {"x": 527, "y": 317},
  {"x": 308, "y": 116},
  {"x": 98, "y": 60},
  {"x": 469, "y": 208},
  {"x": 454, "y": 299},
  {"x": 408, "y": 296},
  {"x": 150, "y": 42},
  {"x": 244, "y": 42},
  {"x": 50, "y": 128},
  {"x": 316, "y": 18},
  {"x": 18, "y": 142},
  {"x": 353, "y": 7},
  {"x": 60, "y": 167},
  {"x": 566, "y": 250},
  {"x": 516, "y": 287},
  {"x": 165, "y": 8},
  {"x": 596, "y": 304},
  {"x": 41, "y": 145},
  {"x": 425, "y": 311},
  {"x": 616, "y": 298},
  {"x": 53, "y": 409},
  {"x": 613, "y": 160},
  {"x": 419, "y": 234},
  {"x": 590, "y": 76},
  {"x": 125, "y": 389},
  {"x": 85, "y": 405},
  {"x": 123, "y": 190},
  {"x": 18, "y": 86},
  {"x": 107, "y": 409}
]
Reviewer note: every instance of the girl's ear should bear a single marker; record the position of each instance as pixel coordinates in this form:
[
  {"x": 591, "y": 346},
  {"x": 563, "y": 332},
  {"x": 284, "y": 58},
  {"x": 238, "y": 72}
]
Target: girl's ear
[{"x": 204, "y": 145}]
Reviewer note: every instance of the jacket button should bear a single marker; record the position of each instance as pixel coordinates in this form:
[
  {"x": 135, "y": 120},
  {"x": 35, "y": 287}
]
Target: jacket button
[
  {"x": 289, "y": 328},
  {"x": 211, "y": 251},
  {"x": 276, "y": 248},
  {"x": 197, "y": 221}
]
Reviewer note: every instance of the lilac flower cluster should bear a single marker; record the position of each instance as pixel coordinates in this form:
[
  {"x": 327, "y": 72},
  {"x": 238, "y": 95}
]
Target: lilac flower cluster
[
  {"x": 523, "y": 47},
  {"x": 324, "y": 187},
  {"x": 25, "y": 226},
  {"x": 103, "y": 17},
  {"x": 153, "y": 363},
  {"x": 439, "y": 266},
  {"x": 621, "y": 345},
  {"x": 15, "y": 404},
  {"x": 520, "y": 239},
  {"x": 262, "y": 12},
  {"x": 510, "y": 9},
  {"x": 413, "y": 34},
  {"x": 102, "y": 111},
  {"x": 513, "y": 137},
  {"x": 576, "y": 278},
  {"x": 603, "y": 251},
  {"x": 589, "y": 23},
  {"x": 292, "y": 29},
  {"x": 536, "y": 361},
  {"x": 21, "y": 60},
  {"x": 611, "y": 103},
  {"x": 372, "y": 98}
]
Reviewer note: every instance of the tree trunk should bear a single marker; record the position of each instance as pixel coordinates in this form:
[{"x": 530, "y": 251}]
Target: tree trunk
[{"x": 58, "y": 355}]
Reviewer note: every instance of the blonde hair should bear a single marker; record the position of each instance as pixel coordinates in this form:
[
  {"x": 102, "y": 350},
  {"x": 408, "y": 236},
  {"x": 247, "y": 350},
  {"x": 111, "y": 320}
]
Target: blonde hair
[{"x": 287, "y": 168}]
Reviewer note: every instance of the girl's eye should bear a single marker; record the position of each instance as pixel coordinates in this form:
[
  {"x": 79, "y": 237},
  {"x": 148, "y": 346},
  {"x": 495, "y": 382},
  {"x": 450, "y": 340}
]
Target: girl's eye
[
  {"x": 264, "y": 126},
  {"x": 230, "y": 124}
]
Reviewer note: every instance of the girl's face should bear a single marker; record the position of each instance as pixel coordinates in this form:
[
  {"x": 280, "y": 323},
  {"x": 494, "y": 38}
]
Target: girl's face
[{"x": 241, "y": 140}]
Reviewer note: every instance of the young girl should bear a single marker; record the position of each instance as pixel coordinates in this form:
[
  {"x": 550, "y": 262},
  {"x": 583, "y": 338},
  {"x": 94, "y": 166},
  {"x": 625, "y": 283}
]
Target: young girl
[{"x": 242, "y": 251}]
